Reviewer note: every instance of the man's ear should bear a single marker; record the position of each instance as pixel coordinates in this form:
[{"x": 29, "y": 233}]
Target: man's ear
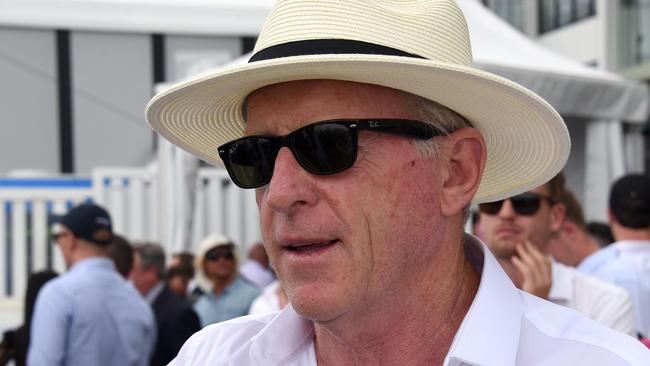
[
  {"x": 558, "y": 215},
  {"x": 465, "y": 160}
]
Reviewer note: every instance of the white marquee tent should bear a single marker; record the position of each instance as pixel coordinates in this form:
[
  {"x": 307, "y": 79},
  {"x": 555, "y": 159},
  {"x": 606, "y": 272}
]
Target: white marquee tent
[{"x": 607, "y": 101}]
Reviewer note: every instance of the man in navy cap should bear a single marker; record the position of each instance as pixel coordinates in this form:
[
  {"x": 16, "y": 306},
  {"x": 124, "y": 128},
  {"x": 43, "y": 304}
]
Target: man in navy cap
[{"x": 90, "y": 315}]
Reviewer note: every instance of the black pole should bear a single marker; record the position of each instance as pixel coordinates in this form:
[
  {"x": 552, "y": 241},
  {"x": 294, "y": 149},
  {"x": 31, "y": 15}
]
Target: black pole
[
  {"x": 247, "y": 44},
  {"x": 66, "y": 136},
  {"x": 158, "y": 56}
]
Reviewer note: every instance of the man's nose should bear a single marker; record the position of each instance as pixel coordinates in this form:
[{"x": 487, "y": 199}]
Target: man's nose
[
  {"x": 507, "y": 210},
  {"x": 291, "y": 186}
]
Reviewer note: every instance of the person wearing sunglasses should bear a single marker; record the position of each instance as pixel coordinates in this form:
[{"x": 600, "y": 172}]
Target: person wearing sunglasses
[
  {"x": 226, "y": 294},
  {"x": 521, "y": 230},
  {"x": 366, "y": 133}
]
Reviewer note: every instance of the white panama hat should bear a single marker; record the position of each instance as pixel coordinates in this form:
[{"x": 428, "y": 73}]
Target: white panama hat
[{"x": 418, "y": 46}]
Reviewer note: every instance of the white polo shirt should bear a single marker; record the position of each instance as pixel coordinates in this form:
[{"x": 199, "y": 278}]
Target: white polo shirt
[
  {"x": 605, "y": 303},
  {"x": 504, "y": 326}
]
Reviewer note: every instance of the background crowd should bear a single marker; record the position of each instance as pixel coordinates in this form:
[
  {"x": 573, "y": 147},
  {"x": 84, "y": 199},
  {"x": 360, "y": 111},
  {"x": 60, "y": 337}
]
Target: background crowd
[{"x": 143, "y": 304}]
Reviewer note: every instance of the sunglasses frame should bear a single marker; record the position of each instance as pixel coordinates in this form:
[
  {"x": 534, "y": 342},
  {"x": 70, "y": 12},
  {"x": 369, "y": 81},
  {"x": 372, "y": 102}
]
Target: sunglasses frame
[
  {"x": 517, "y": 208},
  {"x": 400, "y": 127},
  {"x": 215, "y": 257}
]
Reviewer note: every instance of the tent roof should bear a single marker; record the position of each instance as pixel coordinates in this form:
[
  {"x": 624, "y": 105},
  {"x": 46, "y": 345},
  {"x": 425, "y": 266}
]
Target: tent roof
[{"x": 572, "y": 88}]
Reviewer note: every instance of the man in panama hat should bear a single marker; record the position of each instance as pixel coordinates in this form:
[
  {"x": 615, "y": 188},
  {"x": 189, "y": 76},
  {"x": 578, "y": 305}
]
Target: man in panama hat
[{"x": 366, "y": 133}]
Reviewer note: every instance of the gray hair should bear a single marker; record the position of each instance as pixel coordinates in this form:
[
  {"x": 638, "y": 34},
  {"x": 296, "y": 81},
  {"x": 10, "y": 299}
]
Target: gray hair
[
  {"x": 152, "y": 255},
  {"x": 439, "y": 116},
  {"x": 442, "y": 118}
]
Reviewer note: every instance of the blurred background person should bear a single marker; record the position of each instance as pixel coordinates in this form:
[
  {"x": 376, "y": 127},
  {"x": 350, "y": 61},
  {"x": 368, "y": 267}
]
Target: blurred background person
[
  {"x": 15, "y": 342},
  {"x": 121, "y": 252},
  {"x": 89, "y": 315},
  {"x": 256, "y": 269},
  {"x": 227, "y": 295},
  {"x": 518, "y": 231},
  {"x": 572, "y": 242},
  {"x": 629, "y": 218},
  {"x": 178, "y": 280},
  {"x": 176, "y": 321},
  {"x": 185, "y": 262}
]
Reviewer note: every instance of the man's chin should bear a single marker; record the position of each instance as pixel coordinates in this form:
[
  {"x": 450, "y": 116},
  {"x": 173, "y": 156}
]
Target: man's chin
[
  {"x": 503, "y": 250},
  {"x": 313, "y": 305}
]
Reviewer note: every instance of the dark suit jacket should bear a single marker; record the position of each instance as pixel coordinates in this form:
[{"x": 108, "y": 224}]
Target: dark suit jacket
[{"x": 176, "y": 321}]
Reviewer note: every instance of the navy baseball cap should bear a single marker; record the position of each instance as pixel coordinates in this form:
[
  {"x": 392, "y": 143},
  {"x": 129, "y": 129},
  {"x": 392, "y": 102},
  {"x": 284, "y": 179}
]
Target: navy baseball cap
[
  {"x": 629, "y": 201},
  {"x": 89, "y": 222}
]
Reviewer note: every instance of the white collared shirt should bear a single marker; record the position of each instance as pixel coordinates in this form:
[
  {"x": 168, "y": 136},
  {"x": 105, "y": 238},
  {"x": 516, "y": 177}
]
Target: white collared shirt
[
  {"x": 607, "y": 304},
  {"x": 504, "y": 326},
  {"x": 626, "y": 264}
]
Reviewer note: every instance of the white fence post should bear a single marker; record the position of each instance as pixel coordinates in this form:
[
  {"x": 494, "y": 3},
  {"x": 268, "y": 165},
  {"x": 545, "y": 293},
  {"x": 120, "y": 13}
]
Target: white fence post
[
  {"x": 59, "y": 207},
  {"x": 136, "y": 207},
  {"x": 3, "y": 248},
  {"x": 40, "y": 237},
  {"x": 19, "y": 247}
]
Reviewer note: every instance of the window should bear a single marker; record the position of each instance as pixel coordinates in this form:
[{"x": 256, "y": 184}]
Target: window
[
  {"x": 555, "y": 14},
  {"x": 511, "y": 11},
  {"x": 634, "y": 33}
]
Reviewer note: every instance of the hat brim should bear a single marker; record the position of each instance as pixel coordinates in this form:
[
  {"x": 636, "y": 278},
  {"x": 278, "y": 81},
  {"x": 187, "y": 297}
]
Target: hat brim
[{"x": 527, "y": 141}]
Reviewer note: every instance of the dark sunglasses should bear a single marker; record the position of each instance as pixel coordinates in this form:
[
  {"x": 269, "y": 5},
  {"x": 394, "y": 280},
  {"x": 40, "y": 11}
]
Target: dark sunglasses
[
  {"x": 321, "y": 148},
  {"x": 525, "y": 204},
  {"x": 215, "y": 255}
]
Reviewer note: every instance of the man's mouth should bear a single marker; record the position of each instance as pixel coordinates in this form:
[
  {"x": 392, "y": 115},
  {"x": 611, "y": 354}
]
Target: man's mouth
[{"x": 306, "y": 248}]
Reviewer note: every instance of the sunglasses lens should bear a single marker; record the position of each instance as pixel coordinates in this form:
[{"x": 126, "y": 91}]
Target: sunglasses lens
[
  {"x": 250, "y": 161},
  {"x": 526, "y": 204},
  {"x": 491, "y": 208},
  {"x": 213, "y": 256},
  {"x": 325, "y": 148}
]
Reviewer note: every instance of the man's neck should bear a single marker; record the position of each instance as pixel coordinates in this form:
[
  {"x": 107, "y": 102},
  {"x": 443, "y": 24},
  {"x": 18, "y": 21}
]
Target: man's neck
[
  {"x": 419, "y": 327},
  {"x": 625, "y": 233}
]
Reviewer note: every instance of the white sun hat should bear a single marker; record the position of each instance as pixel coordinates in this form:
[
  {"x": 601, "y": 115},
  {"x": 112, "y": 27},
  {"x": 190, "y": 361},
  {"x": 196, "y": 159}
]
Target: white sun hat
[{"x": 418, "y": 46}]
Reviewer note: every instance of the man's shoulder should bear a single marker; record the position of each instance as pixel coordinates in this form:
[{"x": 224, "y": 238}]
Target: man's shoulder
[
  {"x": 606, "y": 264},
  {"x": 222, "y": 340},
  {"x": 597, "y": 287},
  {"x": 553, "y": 332},
  {"x": 57, "y": 289}
]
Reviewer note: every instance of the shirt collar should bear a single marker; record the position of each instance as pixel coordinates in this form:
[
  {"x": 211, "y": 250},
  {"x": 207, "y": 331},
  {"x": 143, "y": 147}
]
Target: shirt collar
[
  {"x": 632, "y": 246},
  {"x": 265, "y": 347},
  {"x": 562, "y": 283},
  {"x": 154, "y": 292},
  {"x": 489, "y": 334}
]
